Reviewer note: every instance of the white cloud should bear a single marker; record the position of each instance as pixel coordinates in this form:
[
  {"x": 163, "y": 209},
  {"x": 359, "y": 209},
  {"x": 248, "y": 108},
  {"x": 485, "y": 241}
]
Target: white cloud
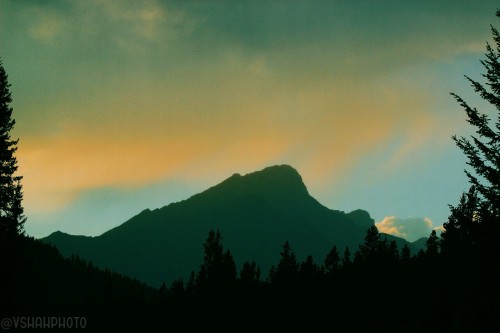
[
  {"x": 439, "y": 229},
  {"x": 411, "y": 228}
]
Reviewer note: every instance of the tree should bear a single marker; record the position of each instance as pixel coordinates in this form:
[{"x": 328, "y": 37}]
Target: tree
[
  {"x": 287, "y": 268},
  {"x": 432, "y": 245},
  {"x": 460, "y": 229},
  {"x": 483, "y": 150},
  {"x": 474, "y": 224},
  {"x": 11, "y": 194},
  {"x": 332, "y": 261},
  {"x": 346, "y": 258},
  {"x": 308, "y": 270},
  {"x": 373, "y": 249},
  {"x": 393, "y": 252},
  {"x": 250, "y": 273},
  {"x": 406, "y": 253},
  {"x": 218, "y": 268}
]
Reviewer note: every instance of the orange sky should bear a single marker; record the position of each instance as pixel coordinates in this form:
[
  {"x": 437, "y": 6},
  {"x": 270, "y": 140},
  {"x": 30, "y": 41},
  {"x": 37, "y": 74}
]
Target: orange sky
[{"x": 123, "y": 95}]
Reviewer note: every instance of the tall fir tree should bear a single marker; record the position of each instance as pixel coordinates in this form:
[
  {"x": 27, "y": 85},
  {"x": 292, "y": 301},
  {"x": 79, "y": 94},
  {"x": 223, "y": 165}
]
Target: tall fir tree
[
  {"x": 470, "y": 239},
  {"x": 332, "y": 261},
  {"x": 11, "y": 195},
  {"x": 432, "y": 244},
  {"x": 346, "y": 259},
  {"x": 373, "y": 249},
  {"x": 461, "y": 228},
  {"x": 483, "y": 149},
  {"x": 287, "y": 269},
  {"x": 218, "y": 269},
  {"x": 476, "y": 220}
]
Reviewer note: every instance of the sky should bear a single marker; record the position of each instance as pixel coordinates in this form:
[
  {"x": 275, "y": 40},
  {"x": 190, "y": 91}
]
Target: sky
[{"x": 127, "y": 105}]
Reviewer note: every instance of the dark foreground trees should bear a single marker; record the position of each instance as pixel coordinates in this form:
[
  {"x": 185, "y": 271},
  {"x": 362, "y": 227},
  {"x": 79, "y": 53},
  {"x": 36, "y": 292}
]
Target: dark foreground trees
[
  {"x": 11, "y": 195},
  {"x": 476, "y": 218},
  {"x": 469, "y": 242}
]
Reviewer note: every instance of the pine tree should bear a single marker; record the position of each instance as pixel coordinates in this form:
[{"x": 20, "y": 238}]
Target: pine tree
[
  {"x": 483, "y": 149},
  {"x": 393, "y": 252},
  {"x": 461, "y": 229},
  {"x": 373, "y": 249},
  {"x": 346, "y": 259},
  {"x": 218, "y": 268},
  {"x": 332, "y": 261},
  {"x": 308, "y": 270},
  {"x": 406, "y": 253},
  {"x": 250, "y": 273},
  {"x": 432, "y": 245},
  {"x": 11, "y": 195},
  {"x": 287, "y": 268}
]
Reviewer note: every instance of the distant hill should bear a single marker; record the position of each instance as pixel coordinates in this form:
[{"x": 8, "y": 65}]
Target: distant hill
[{"x": 255, "y": 213}]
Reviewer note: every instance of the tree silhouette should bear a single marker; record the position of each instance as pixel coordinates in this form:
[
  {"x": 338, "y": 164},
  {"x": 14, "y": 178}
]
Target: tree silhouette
[
  {"x": 11, "y": 195},
  {"x": 218, "y": 269},
  {"x": 308, "y": 270},
  {"x": 332, "y": 261},
  {"x": 393, "y": 252},
  {"x": 346, "y": 259},
  {"x": 483, "y": 150},
  {"x": 432, "y": 244},
  {"x": 373, "y": 249},
  {"x": 250, "y": 274},
  {"x": 287, "y": 269},
  {"x": 474, "y": 224},
  {"x": 460, "y": 228},
  {"x": 405, "y": 253}
]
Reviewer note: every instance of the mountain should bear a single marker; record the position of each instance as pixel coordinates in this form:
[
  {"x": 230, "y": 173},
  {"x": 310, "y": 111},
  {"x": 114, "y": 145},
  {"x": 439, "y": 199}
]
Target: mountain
[{"x": 255, "y": 214}]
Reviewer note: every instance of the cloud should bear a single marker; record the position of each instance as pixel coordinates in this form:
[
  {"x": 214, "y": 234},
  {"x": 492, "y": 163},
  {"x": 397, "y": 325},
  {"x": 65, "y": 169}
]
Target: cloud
[
  {"x": 47, "y": 24},
  {"x": 410, "y": 229},
  {"x": 117, "y": 27},
  {"x": 141, "y": 91},
  {"x": 239, "y": 118},
  {"x": 439, "y": 229}
]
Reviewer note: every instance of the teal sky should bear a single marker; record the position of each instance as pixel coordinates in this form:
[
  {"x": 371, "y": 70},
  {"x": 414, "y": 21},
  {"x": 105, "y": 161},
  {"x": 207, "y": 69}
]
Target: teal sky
[{"x": 127, "y": 105}]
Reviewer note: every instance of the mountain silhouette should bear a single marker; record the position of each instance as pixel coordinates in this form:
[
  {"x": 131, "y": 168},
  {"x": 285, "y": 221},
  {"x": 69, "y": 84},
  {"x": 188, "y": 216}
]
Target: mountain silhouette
[{"x": 256, "y": 214}]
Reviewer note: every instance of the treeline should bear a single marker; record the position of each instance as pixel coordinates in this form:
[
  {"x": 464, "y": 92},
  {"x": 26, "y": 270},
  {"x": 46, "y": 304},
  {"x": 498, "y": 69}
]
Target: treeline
[
  {"x": 375, "y": 287},
  {"x": 44, "y": 283}
]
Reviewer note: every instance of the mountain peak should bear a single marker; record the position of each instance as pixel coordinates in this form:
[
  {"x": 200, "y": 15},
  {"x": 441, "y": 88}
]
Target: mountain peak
[
  {"x": 278, "y": 180},
  {"x": 256, "y": 213}
]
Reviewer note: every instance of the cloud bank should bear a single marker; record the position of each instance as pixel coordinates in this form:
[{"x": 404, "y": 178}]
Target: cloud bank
[{"x": 410, "y": 229}]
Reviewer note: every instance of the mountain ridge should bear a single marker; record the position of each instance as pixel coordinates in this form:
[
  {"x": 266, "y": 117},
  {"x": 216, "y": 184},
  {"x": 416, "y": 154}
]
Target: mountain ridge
[{"x": 256, "y": 214}]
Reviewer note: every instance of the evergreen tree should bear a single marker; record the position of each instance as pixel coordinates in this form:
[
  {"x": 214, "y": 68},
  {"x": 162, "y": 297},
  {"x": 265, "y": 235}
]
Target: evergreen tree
[
  {"x": 393, "y": 252},
  {"x": 228, "y": 268},
  {"x": 461, "y": 227},
  {"x": 177, "y": 290},
  {"x": 218, "y": 268},
  {"x": 483, "y": 150},
  {"x": 287, "y": 268},
  {"x": 346, "y": 258},
  {"x": 250, "y": 273},
  {"x": 332, "y": 261},
  {"x": 11, "y": 195},
  {"x": 191, "y": 284},
  {"x": 432, "y": 245},
  {"x": 373, "y": 249},
  {"x": 405, "y": 253},
  {"x": 308, "y": 269}
]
